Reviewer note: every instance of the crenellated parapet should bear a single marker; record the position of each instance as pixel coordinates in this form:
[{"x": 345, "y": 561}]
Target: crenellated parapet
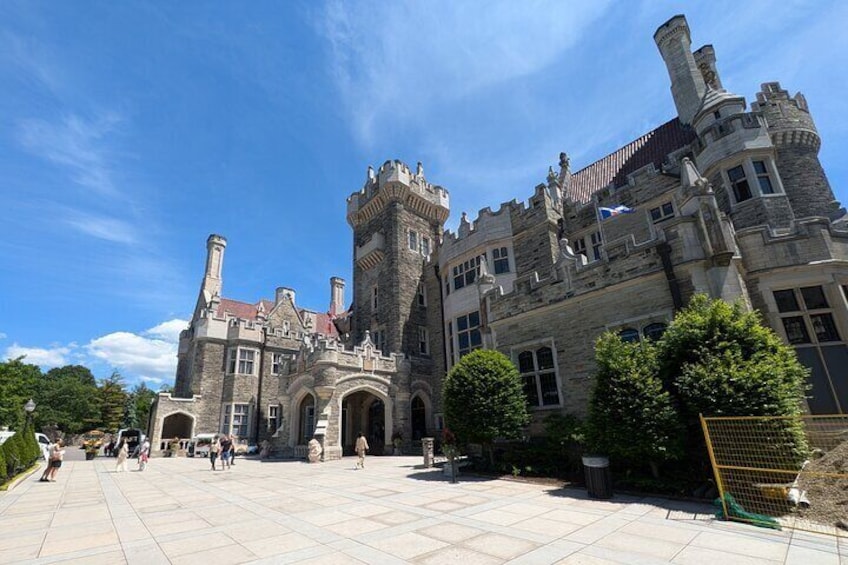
[
  {"x": 395, "y": 182},
  {"x": 788, "y": 118}
]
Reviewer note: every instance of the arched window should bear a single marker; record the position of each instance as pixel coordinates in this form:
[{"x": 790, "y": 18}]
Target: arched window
[
  {"x": 629, "y": 335},
  {"x": 539, "y": 375},
  {"x": 654, "y": 331}
]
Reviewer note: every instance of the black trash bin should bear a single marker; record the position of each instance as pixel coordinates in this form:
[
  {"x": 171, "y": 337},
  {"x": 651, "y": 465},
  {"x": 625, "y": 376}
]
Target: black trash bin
[{"x": 598, "y": 476}]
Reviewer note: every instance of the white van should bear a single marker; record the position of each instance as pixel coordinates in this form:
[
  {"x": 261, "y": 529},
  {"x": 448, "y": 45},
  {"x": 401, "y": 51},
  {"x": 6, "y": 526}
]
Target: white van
[{"x": 200, "y": 444}]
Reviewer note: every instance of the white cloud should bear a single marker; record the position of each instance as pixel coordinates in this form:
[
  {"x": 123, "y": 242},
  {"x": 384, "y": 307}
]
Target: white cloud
[
  {"x": 154, "y": 380},
  {"x": 415, "y": 56},
  {"x": 151, "y": 355},
  {"x": 43, "y": 357},
  {"x": 75, "y": 144},
  {"x": 168, "y": 331},
  {"x": 100, "y": 227},
  {"x": 3, "y": 336}
]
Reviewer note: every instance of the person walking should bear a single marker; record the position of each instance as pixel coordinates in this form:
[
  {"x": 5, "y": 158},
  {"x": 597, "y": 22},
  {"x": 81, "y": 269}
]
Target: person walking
[
  {"x": 213, "y": 451},
  {"x": 123, "y": 454},
  {"x": 143, "y": 454},
  {"x": 361, "y": 448},
  {"x": 57, "y": 453},
  {"x": 232, "y": 449},
  {"x": 226, "y": 444}
]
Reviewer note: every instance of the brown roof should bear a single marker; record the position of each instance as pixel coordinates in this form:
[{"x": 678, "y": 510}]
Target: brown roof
[
  {"x": 245, "y": 311},
  {"x": 614, "y": 168}
]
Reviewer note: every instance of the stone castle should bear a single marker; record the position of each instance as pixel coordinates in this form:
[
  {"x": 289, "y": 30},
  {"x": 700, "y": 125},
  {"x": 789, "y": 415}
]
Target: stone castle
[{"x": 726, "y": 198}]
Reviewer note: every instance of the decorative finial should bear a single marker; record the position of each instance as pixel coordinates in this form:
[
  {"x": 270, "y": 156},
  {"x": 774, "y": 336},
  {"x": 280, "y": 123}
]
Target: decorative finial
[
  {"x": 420, "y": 170},
  {"x": 371, "y": 177}
]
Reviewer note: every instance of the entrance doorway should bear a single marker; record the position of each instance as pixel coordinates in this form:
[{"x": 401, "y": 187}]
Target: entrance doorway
[
  {"x": 306, "y": 413},
  {"x": 419, "y": 418},
  {"x": 363, "y": 412}
]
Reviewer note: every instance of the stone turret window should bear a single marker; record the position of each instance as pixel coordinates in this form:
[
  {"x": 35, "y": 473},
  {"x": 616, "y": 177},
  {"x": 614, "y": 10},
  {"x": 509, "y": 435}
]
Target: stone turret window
[
  {"x": 739, "y": 184},
  {"x": 379, "y": 339},
  {"x": 751, "y": 179},
  {"x": 500, "y": 255},
  {"x": 597, "y": 244},
  {"x": 425, "y": 246},
  {"x": 538, "y": 371},
  {"x": 374, "y": 295},
  {"x": 413, "y": 241},
  {"x": 763, "y": 177}
]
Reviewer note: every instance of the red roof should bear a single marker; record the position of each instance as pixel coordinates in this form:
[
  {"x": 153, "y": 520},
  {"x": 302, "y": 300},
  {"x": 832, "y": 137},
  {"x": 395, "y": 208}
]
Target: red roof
[
  {"x": 614, "y": 168},
  {"x": 245, "y": 311}
]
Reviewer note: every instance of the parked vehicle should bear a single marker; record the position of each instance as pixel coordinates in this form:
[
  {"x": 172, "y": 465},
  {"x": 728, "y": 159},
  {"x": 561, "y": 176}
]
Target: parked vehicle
[
  {"x": 44, "y": 442},
  {"x": 132, "y": 436},
  {"x": 200, "y": 444}
]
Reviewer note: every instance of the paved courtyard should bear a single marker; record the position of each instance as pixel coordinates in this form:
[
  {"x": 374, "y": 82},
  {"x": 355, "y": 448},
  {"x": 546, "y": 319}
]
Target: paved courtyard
[{"x": 178, "y": 511}]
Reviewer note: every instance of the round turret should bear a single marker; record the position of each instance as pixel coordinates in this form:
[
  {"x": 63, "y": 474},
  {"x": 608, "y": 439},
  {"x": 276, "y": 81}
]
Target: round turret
[{"x": 795, "y": 137}]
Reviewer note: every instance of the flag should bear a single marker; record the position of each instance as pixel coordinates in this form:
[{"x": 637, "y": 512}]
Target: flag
[{"x": 614, "y": 211}]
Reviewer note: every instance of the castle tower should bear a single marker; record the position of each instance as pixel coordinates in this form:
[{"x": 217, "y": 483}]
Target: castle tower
[
  {"x": 212, "y": 281},
  {"x": 797, "y": 142},
  {"x": 397, "y": 219},
  {"x": 687, "y": 82}
]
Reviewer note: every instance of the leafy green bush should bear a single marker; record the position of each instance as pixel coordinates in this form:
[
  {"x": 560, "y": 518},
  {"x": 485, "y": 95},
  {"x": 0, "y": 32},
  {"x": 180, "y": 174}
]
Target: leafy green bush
[
  {"x": 484, "y": 399},
  {"x": 631, "y": 417}
]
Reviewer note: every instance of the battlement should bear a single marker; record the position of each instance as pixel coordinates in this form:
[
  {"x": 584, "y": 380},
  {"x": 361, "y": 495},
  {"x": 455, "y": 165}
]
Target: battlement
[
  {"x": 773, "y": 92},
  {"x": 362, "y": 357},
  {"x": 499, "y": 223},
  {"x": 394, "y": 181},
  {"x": 788, "y": 117}
]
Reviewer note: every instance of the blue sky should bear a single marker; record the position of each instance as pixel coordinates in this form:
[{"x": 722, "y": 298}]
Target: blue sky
[{"x": 131, "y": 131}]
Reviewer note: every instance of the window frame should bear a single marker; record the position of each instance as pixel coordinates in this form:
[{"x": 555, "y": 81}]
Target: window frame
[
  {"x": 753, "y": 178},
  {"x": 500, "y": 260},
  {"x": 412, "y": 240},
  {"x": 278, "y": 361},
  {"x": 421, "y": 295},
  {"x": 662, "y": 214},
  {"x": 536, "y": 373},
  {"x": 234, "y": 360},
  {"x": 471, "y": 331},
  {"x": 274, "y": 416},
  {"x": 423, "y": 341}
]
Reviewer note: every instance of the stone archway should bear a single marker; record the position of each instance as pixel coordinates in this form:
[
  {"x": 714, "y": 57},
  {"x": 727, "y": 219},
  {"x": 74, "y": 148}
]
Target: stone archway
[
  {"x": 305, "y": 414},
  {"x": 178, "y": 425},
  {"x": 363, "y": 411}
]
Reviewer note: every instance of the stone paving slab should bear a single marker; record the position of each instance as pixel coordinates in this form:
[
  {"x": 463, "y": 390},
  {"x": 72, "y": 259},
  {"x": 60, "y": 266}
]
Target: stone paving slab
[{"x": 179, "y": 511}]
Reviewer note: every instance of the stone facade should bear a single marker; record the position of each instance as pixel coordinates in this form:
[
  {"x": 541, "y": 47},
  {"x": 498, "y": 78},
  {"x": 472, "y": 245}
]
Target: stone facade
[{"x": 724, "y": 199}]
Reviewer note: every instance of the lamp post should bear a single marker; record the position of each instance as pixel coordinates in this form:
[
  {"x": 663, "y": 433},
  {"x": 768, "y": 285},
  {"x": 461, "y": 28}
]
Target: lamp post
[{"x": 29, "y": 407}]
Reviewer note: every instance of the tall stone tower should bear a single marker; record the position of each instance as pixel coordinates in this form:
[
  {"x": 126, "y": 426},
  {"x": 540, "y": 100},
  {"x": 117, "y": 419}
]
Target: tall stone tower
[{"x": 397, "y": 219}]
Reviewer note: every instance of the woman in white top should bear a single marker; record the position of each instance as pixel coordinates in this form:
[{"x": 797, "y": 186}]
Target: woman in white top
[{"x": 123, "y": 454}]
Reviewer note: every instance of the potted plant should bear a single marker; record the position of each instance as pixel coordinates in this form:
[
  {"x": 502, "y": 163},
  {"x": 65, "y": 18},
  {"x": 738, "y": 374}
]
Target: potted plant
[
  {"x": 397, "y": 442},
  {"x": 92, "y": 447},
  {"x": 450, "y": 448}
]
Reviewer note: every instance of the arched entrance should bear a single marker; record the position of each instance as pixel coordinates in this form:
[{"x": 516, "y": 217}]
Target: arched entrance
[
  {"x": 177, "y": 425},
  {"x": 419, "y": 418},
  {"x": 363, "y": 412},
  {"x": 306, "y": 419}
]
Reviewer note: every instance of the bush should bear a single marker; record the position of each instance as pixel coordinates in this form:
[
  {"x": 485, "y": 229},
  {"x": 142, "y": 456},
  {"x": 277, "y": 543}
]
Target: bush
[
  {"x": 631, "y": 417},
  {"x": 484, "y": 399},
  {"x": 3, "y": 470}
]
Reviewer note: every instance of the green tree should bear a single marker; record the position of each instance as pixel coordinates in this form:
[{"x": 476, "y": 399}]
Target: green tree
[
  {"x": 484, "y": 399},
  {"x": 19, "y": 382},
  {"x": 718, "y": 359},
  {"x": 68, "y": 398},
  {"x": 113, "y": 400},
  {"x": 142, "y": 397},
  {"x": 631, "y": 416}
]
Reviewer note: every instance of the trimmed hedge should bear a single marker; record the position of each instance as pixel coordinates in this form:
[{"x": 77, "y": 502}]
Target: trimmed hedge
[{"x": 17, "y": 453}]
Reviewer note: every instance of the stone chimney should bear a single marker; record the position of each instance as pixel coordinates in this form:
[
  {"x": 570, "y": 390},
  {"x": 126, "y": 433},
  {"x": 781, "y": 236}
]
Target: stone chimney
[{"x": 337, "y": 305}]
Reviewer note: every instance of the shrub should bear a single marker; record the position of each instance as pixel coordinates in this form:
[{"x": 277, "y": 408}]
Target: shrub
[
  {"x": 484, "y": 399},
  {"x": 631, "y": 417}
]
